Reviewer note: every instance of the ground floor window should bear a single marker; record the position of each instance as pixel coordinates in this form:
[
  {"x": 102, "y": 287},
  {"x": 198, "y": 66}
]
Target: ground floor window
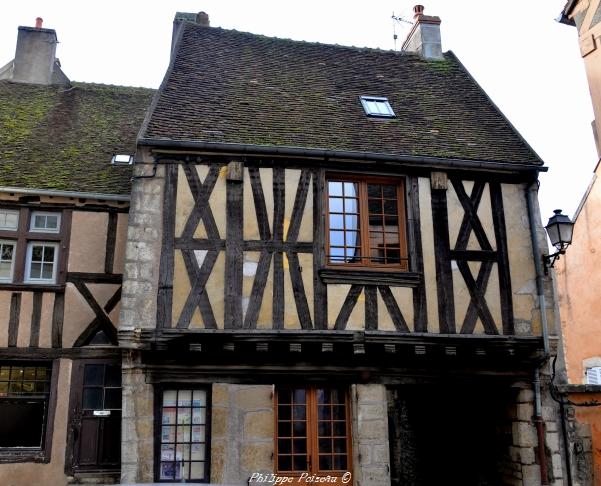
[
  {"x": 183, "y": 435},
  {"x": 313, "y": 431},
  {"x": 24, "y": 400}
]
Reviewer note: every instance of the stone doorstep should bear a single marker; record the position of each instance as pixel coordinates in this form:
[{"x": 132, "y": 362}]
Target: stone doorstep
[{"x": 94, "y": 478}]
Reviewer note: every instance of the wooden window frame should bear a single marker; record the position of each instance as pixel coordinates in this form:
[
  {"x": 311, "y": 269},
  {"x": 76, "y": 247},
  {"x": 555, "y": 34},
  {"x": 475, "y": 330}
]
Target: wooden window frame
[
  {"x": 43, "y": 453},
  {"x": 312, "y": 433},
  {"x": 366, "y": 263},
  {"x": 159, "y": 390},
  {"x": 23, "y": 236}
]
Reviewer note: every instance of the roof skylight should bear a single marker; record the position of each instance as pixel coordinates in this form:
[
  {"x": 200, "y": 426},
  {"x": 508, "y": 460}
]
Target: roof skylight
[{"x": 377, "y": 106}]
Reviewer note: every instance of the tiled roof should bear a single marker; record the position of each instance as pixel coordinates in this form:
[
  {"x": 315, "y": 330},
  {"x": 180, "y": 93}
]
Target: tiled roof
[
  {"x": 63, "y": 138},
  {"x": 232, "y": 87}
]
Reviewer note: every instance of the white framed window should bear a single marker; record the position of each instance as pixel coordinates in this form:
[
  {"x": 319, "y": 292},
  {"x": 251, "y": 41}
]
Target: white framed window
[
  {"x": 377, "y": 106},
  {"x": 7, "y": 260},
  {"x": 593, "y": 375},
  {"x": 42, "y": 262},
  {"x": 45, "y": 222},
  {"x": 9, "y": 219}
]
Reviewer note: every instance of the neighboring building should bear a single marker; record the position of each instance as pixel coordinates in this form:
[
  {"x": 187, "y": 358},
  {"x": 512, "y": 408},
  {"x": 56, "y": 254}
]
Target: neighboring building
[
  {"x": 332, "y": 268},
  {"x": 578, "y": 278},
  {"x": 63, "y": 223}
]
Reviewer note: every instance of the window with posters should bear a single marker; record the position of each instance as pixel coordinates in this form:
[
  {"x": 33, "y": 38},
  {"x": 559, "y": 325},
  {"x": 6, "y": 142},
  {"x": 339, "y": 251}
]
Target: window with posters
[{"x": 183, "y": 435}]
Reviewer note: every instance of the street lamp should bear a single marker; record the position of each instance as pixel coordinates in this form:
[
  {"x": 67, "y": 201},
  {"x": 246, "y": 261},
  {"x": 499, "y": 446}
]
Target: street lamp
[{"x": 559, "y": 228}]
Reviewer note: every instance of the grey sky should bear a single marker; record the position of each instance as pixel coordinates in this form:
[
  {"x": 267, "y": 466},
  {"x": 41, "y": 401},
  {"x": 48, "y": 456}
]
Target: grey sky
[{"x": 529, "y": 64}]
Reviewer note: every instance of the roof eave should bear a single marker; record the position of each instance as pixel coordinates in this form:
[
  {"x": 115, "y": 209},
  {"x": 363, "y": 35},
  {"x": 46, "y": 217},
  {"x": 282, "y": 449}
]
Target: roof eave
[
  {"x": 409, "y": 160},
  {"x": 567, "y": 10},
  {"x": 77, "y": 194}
]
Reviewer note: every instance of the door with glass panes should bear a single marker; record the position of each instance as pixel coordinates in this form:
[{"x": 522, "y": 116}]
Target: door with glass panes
[
  {"x": 312, "y": 433},
  {"x": 96, "y": 416}
]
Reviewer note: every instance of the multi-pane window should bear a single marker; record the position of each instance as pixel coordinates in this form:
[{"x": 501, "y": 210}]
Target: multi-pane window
[
  {"x": 42, "y": 261},
  {"x": 313, "y": 433},
  {"x": 7, "y": 258},
  {"x": 183, "y": 436},
  {"x": 24, "y": 392},
  {"x": 101, "y": 387},
  {"x": 366, "y": 222},
  {"x": 9, "y": 219},
  {"x": 45, "y": 222},
  {"x": 29, "y": 246},
  {"x": 377, "y": 106}
]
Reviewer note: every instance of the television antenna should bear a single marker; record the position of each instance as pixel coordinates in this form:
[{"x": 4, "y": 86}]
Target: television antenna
[{"x": 398, "y": 20}]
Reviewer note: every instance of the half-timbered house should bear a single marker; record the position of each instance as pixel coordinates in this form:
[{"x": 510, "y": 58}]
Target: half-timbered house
[
  {"x": 63, "y": 222},
  {"x": 333, "y": 271}
]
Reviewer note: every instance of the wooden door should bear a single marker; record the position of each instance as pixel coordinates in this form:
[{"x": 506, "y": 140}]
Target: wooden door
[
  {"x": 96, "y": 416},
  {"x": 313, "y": 433}
]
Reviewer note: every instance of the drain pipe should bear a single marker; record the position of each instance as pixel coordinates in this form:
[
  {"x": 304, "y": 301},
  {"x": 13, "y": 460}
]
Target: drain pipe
[
  {"x": 540, "y": 429},
  {"x": 531, "y": 194}
]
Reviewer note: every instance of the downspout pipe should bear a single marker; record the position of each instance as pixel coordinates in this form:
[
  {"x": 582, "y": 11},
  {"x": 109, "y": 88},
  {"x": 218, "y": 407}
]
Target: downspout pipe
[
  {"x": 531, "y": 195},
  {"x": 540, "y": 430}
]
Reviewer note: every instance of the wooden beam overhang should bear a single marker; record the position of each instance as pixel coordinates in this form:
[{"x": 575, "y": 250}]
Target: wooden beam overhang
[
  {"x": 324, "y": 353},
  {"x": 165, "y": 146}
]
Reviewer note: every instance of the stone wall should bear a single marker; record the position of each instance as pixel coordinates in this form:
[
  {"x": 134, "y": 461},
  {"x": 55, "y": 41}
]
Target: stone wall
[
  {"x": 524, "y": 456},
  {"x": 371, "y": 456},
  {"x": 137, "y": 426},
  {"x": 143, "y": 251},
  {"x": 242, "y": 432}
]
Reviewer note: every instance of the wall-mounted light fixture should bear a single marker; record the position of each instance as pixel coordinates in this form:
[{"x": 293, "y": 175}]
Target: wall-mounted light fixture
[{"x": 559, "y": 228}]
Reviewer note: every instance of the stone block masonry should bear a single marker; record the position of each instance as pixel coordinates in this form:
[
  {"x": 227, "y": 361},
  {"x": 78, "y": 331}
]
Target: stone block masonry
[
  {"x": 242, "y": 432},
  {"x": 371, "y": 456},
  {"x": 143, "y": 251}
]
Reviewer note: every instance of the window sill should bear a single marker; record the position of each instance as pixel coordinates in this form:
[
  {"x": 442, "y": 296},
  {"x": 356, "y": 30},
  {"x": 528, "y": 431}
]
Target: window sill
[
  {"x": 374, "y": 276},
  {"x": 8, "y": 456},
  {"x": 31, "y": 287}
]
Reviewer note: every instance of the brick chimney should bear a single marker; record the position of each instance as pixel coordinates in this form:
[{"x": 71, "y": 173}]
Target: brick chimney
[
  {"x": 424, "y": 37},
  {"x": 35, "y": 59}
]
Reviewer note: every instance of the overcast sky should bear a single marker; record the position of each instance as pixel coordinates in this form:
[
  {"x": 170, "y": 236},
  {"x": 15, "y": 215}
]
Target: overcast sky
[{"x": 527, "y": 62}]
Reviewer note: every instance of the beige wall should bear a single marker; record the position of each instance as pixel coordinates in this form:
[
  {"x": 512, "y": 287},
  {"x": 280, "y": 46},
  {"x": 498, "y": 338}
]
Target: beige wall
[
  {"x": 52, "y": 473},
  {"x": 589, "y": 39},
  {"x": 527, "y": 316},
  {"x": 578, "y": 284},
  {"x": 87, "y": 244}
]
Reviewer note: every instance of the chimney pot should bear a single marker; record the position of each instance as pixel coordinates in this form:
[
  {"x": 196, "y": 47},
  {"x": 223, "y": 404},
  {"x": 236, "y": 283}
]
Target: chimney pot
[
  {"x": 418, "y": 10},
  {"x": 38, "y": 22},
  {"x": 202, "y": 18}
]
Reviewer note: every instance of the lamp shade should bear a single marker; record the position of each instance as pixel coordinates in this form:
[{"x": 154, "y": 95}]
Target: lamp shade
[{"x": 559, "y": 228}]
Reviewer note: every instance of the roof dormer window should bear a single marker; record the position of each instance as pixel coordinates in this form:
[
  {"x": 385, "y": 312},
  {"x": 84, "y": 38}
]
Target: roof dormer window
[{"x": 377, "y": 106}]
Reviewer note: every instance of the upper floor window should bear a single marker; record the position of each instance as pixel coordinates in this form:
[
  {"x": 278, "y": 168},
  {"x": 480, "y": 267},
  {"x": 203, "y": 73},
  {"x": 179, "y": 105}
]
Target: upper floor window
[
  {"x": 30, "y": 246},
  {"x": 9, "y": 219},
  {"x": 7, "y": 255},
  {"x": 377, "y": 106},
  {"x": 366, "y": 222},
  {"x": 45, "y": 222}
]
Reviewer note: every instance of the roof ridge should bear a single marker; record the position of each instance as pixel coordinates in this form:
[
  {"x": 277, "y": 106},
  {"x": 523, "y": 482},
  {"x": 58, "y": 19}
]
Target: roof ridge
[{"x": 303, "y": 42}]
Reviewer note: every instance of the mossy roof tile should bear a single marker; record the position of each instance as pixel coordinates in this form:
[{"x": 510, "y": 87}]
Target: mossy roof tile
[
  {"x": 63, "y": 138},
  {"x": 234, "y": 87}
]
